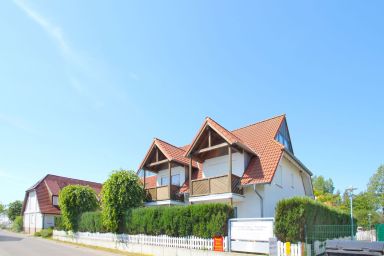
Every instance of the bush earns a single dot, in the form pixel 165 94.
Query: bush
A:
pixel 122 191
pixel 73 201
pixel 294 214
pixel 37 234
pixel 204 220
pixel 46 233
pixel 59 223
pixel 17 225
pixel 91 222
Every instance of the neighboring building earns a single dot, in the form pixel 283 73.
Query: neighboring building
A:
pixel 41 201
pixel 251 168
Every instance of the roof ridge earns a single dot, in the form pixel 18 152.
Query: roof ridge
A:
pixel 58 176
pixel 262 121
pixel 169 144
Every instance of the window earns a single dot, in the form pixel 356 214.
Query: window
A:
pixel 176 179
pixel 55 200
pixel 235 212
pixel 163 181
pixel 283 137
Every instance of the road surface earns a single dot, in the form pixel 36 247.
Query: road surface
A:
pixel 12 244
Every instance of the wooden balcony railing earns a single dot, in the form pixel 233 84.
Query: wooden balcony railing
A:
pixel 161 193
pixel 216 185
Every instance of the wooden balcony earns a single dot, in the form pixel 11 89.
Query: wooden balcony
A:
pixel 216 185
pixel 161 193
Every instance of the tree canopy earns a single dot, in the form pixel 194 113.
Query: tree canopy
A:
pixel 122 191
pixel 14 209
pixel 2 208
pixel 376 187
pixel 322 186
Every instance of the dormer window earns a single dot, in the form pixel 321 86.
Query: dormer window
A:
pixel 55 200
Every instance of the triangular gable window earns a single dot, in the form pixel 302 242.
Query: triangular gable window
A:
pixel 283 136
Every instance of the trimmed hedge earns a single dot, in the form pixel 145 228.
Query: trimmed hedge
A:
pixel 91 222
pixel 204 220
pixel 294 214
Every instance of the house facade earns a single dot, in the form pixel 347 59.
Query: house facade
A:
pixel 251 168
pixel 41 202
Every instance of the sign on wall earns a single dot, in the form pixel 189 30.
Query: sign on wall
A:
pixel 250 235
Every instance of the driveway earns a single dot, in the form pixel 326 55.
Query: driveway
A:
pixel 12 244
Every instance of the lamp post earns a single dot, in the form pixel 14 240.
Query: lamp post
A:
pixel 350 192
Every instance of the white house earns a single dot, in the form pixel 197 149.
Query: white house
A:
pixel 251 168
pixel 41 201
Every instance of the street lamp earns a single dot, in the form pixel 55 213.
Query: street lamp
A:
pixel 350 192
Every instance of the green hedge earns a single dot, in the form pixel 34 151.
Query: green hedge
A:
pixel 17 224
pixel 293 215
pixel 59 223
pixel 91 222
pixel 204 220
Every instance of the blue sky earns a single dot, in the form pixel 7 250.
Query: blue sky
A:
pixel 86 85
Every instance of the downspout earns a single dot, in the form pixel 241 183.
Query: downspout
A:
pixel 261 201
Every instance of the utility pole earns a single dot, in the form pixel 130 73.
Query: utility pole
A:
pixel 350 192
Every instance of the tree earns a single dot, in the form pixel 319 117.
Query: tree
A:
pixel 376 187
pixel 2 208
pixel 14 209
pixel 322 186
pixel 122 191
pixel 75 200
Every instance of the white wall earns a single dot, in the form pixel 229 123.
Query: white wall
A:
pixel 175 170
pixel 286 183
pixel 32 219
pixel 219 165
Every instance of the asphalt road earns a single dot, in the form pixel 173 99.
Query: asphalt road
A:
pixel 12 244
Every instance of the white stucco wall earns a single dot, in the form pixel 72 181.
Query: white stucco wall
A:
pixel 286 183
pixel 175 170
pixel 32 219
pixel 219 165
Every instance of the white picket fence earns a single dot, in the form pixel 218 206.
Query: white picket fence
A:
pixel 282 250
pixel 111 240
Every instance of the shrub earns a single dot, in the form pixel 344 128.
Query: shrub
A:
pixel 14 209
pixel 204 220
pixel 59 223
pixel 46 233
pixel 91 222
pixel 294 214
pixel 73 201
pixel 121 192
pixel 17 225
pixel 38 234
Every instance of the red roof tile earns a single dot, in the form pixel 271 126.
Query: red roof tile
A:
pixel 50 186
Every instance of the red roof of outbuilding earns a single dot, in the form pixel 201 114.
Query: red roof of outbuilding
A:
pixel 50 186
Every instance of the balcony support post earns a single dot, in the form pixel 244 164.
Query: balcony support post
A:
pixel 169 179
pixel 229 169
pixel 190 176
pixel 144 177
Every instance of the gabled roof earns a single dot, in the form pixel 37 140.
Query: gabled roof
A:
pixel 50 186
pixel 228 136
pixel 259 139
pixel 171 152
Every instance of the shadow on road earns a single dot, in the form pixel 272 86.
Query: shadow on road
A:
pixel 10 238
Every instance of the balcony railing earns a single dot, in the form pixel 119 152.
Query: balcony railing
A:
pixel 216 185
pixel 161 193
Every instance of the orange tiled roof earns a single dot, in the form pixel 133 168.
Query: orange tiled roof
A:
pixel 171 152
pixel 258 139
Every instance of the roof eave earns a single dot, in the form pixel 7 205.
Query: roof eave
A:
pixel 298 161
